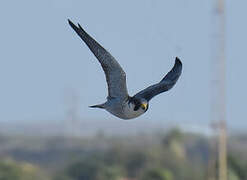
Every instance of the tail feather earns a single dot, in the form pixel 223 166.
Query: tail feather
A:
pixel 97 106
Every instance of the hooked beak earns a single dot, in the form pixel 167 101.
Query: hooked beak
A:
pixel 144 106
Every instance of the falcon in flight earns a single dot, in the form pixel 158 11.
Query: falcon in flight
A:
pixel 119 103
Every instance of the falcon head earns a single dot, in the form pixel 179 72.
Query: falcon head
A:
pixel 139 104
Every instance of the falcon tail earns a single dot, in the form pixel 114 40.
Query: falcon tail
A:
pixel 98 106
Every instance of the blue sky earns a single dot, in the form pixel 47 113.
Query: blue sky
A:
pixel 42 61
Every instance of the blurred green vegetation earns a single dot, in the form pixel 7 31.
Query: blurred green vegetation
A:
pixel 11 170
pixel 159 156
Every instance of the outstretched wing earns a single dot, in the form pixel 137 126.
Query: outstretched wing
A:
pixel 115 76
pixel 164 85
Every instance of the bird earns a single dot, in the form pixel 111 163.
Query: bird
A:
pixel 119 102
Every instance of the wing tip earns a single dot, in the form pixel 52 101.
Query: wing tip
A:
pixel 78 28
pixel 178 64
pixel 72 24
pixel 178 61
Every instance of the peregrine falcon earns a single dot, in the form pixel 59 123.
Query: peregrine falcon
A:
pixel 119 103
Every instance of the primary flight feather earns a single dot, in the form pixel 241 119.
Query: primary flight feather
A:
pixel 119 103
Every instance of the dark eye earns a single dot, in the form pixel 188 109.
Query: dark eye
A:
pixel 136 107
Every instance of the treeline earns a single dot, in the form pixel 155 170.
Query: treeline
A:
pixel 160 156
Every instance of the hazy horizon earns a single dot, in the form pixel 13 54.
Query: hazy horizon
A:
pixel 44 64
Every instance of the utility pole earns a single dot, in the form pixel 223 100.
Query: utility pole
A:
pixel 218 89
pixel 222 151
pixel 222 113
pixel 72 113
